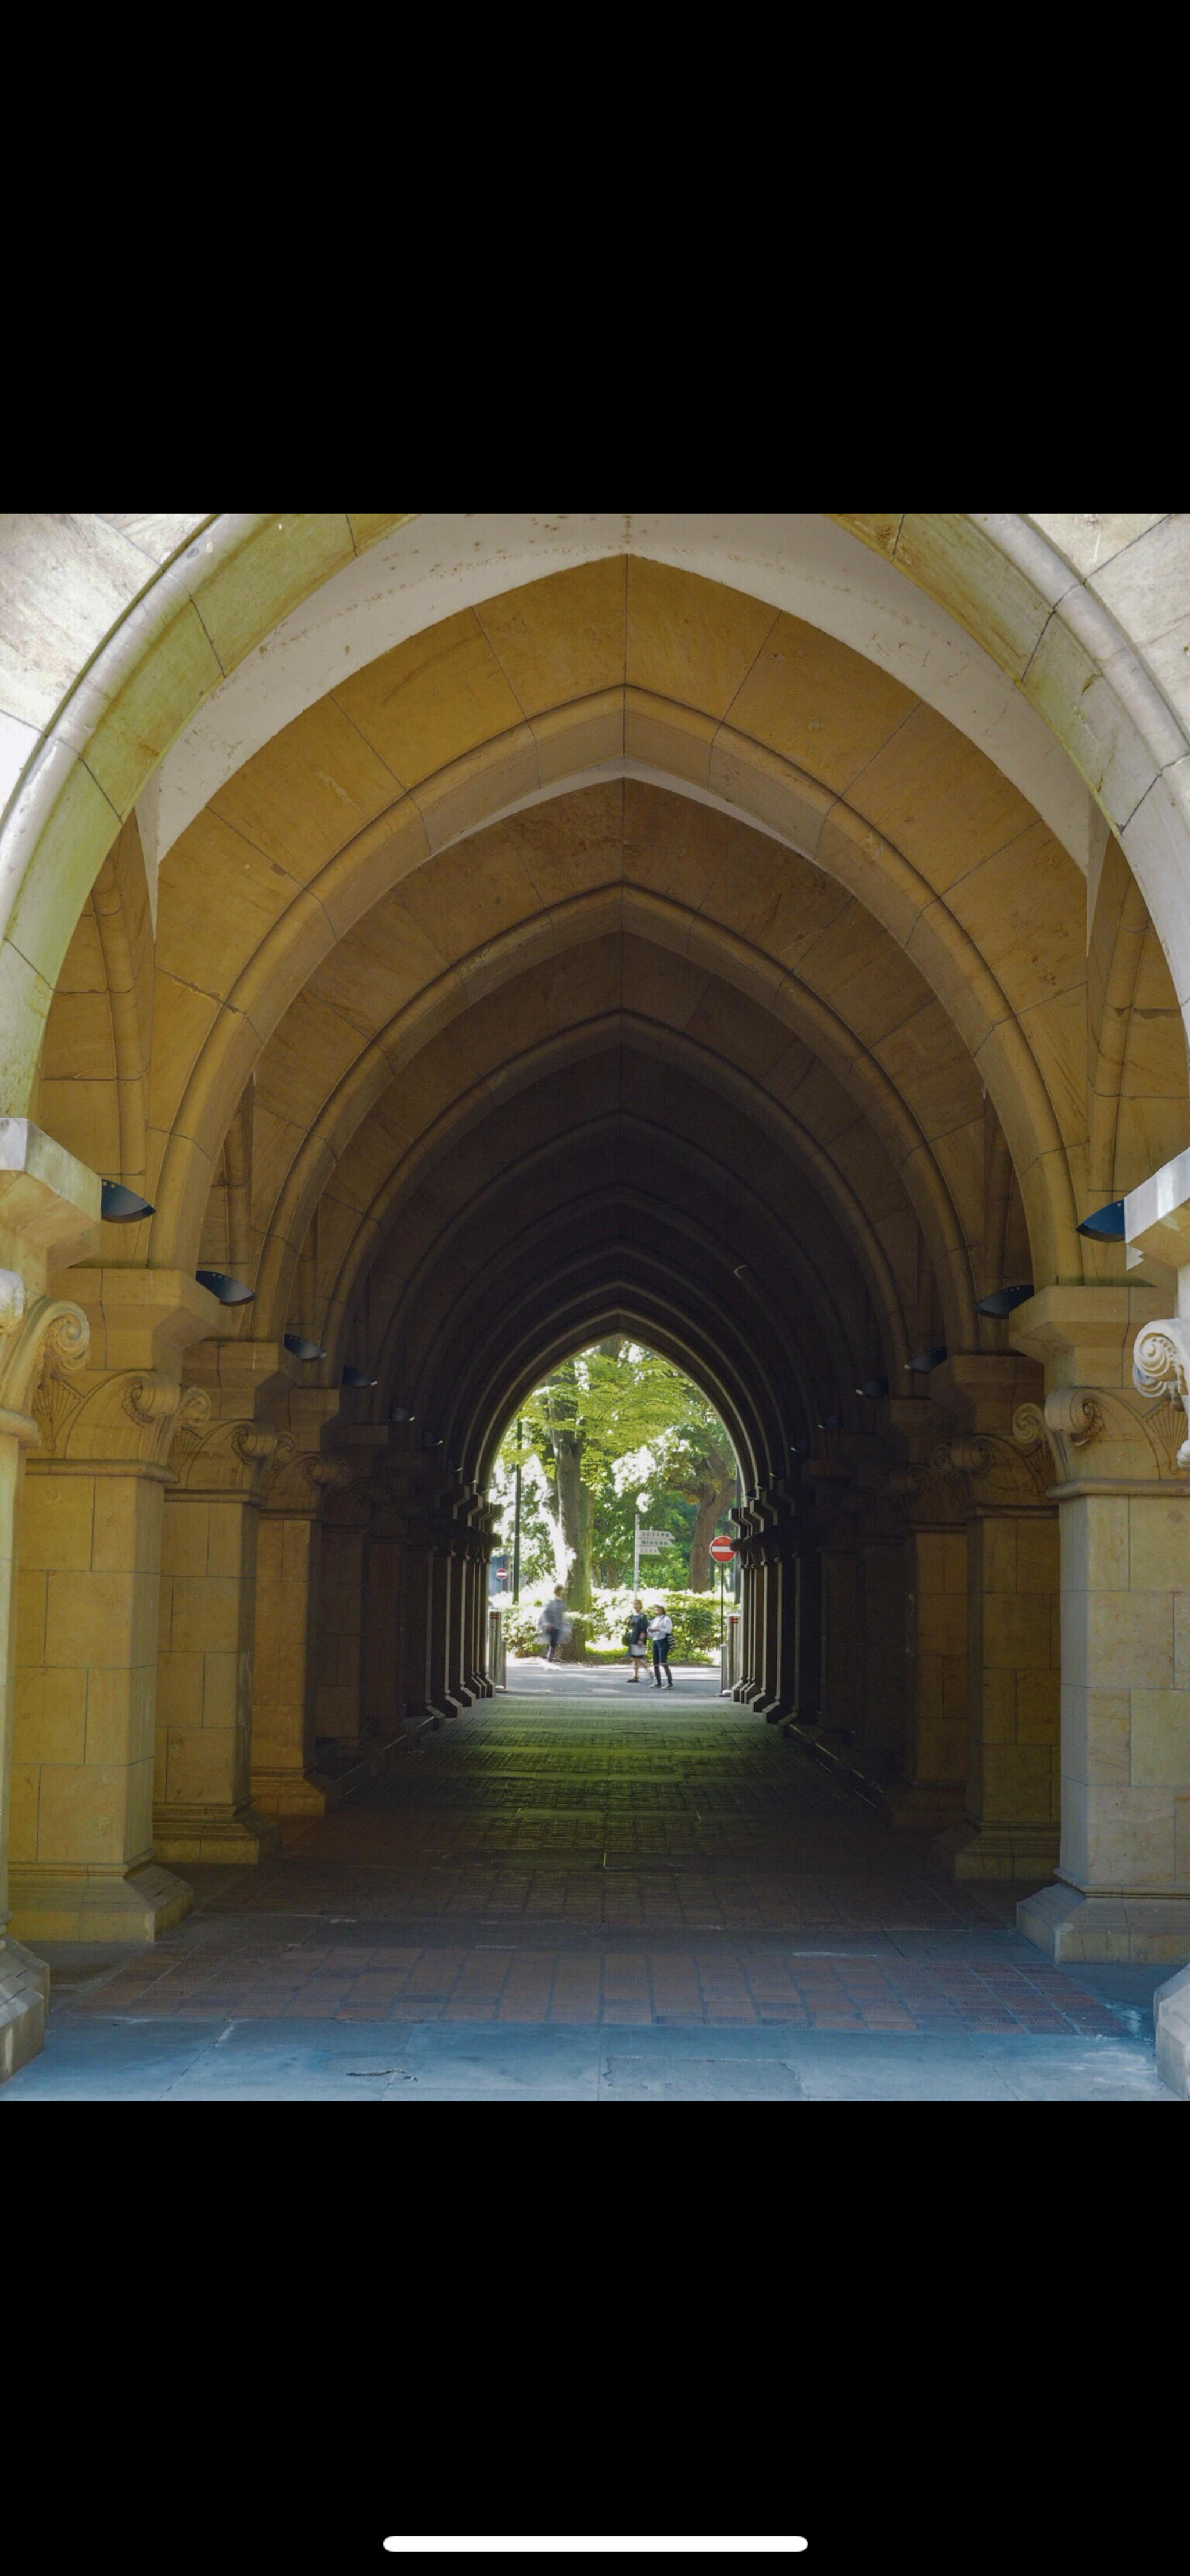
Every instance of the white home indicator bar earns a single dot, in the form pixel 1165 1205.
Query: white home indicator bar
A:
pixel 723 2547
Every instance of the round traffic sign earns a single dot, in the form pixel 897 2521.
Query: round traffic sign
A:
pixel 722 1549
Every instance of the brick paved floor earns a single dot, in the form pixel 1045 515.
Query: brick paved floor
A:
pixel 578 1856
pixel 586 1858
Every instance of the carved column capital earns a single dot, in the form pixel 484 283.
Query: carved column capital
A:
pixel 1101 1439
pixel 297 1481
pixel 225 1457
pixel 995 1472
pixel 128 1417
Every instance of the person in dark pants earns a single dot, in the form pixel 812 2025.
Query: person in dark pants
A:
pixel 661 1628
pixel 636 1638
pixel 553 1625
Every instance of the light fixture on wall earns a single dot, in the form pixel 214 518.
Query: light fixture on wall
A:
pixel 1000 1301
pixel 121 1206
pixel 300 1349
pixel 923 1361
pixel 831 1422
pixel 353 1376
pixel 1106 1223
pixel 431 1440
pixel 874 1388
pixel 230 1292
pixel 742 1271
pixel 402 1413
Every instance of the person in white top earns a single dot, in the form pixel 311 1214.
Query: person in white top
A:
pixel 661 1628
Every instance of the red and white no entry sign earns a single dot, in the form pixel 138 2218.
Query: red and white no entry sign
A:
pixel 723 1550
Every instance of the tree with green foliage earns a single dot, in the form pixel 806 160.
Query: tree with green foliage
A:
pixel 617 1413
pixel 699 1463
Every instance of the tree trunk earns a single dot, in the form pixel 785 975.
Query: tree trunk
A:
pixel 574 1512
pixel 712 1502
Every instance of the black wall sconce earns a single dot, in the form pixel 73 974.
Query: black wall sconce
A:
pixel 923 1361
pixel 230 1292
pixel 353 1376
pixel 1002 1300
pixel 300 1349
pixel 874 1388
pixel 119 1206
pixel 1107 1223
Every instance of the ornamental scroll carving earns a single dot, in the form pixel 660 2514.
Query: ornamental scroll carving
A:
pixel 46 1333
pixel 226 1457
pixel 296 1479
pixel 1161 1367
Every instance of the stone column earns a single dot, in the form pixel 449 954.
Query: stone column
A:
pixel 482 1525
pixel 1114 1425
pixel 49 1211
pixel 932 1794
pixel 1010 1824
pixel 441 1703
pixel 384 1575
pixel 774 1513
pixel 84 1865
pixel 765 1524
pixel 204 1809
pixel 808 1648
pixel 841 1684
pixel 284 1775
pixel 415 1610
pixel 460 1684
pixel 339 1691
pixel 745 1527
pixel 751 1582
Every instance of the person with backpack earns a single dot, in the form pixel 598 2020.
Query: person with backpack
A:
pixel 661 1628
pixel 636 1638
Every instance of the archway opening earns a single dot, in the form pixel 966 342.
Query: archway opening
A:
pixel 613 1478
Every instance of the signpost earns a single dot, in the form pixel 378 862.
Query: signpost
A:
pixel 723 1550
pixel 646 1542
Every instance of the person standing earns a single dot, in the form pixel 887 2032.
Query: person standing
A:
pixel 553 1624
pixel 636 1638
pixel 661 1628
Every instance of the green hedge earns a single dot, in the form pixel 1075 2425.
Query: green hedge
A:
pixel 595 1634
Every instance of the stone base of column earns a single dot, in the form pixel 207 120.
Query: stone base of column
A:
pixel 998 1851
pixel 220 1835
pixel 1171 2011
pixel 24 1994
pixel 293 1793
pixel 924 1807
pixel 1138 1929
pixel 97 1904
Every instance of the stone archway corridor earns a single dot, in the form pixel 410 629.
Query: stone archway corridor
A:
pixel 579 1893
pixel 432 943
